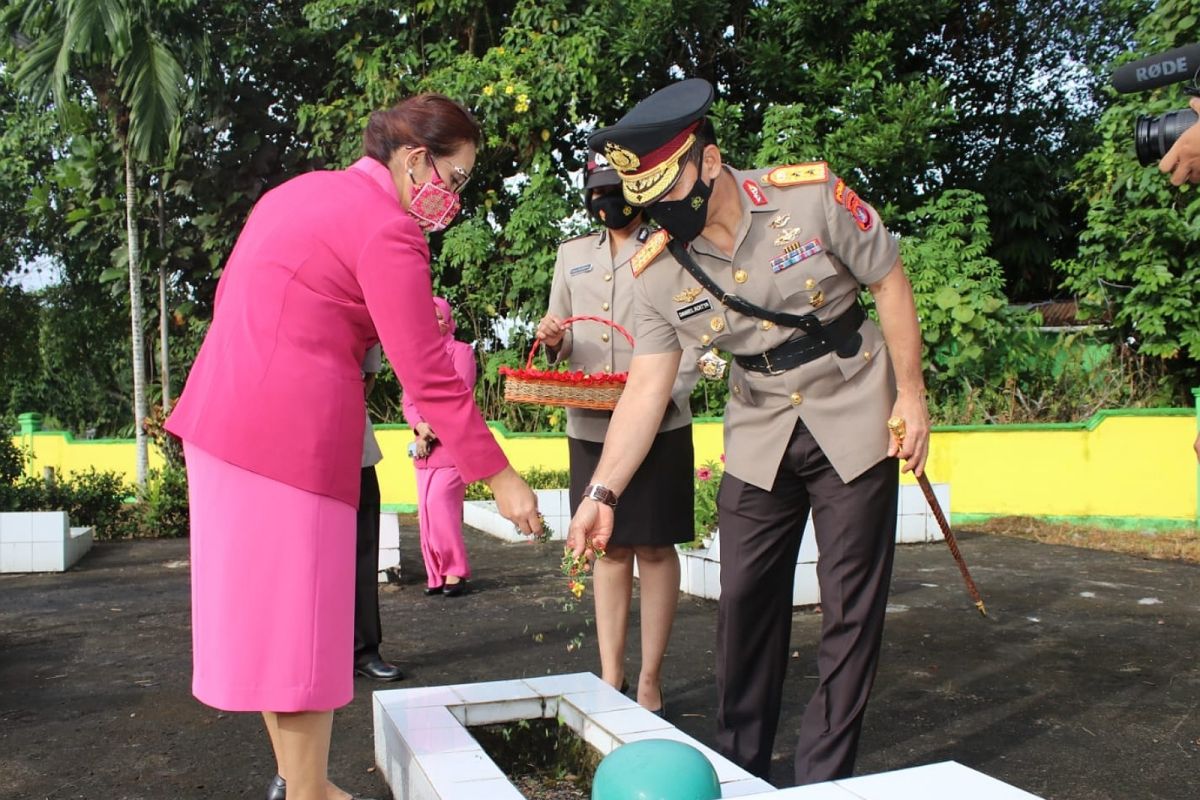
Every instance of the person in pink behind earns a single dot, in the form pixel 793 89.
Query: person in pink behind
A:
pixel 328 264
pixel 440 488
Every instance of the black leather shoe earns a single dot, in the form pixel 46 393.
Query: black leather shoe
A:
pixel 430 591
pixel 455 589
pixel 377 669
pixel 277 789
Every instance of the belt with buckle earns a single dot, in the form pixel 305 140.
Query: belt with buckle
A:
pixel 803 349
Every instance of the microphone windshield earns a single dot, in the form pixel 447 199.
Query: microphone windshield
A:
pixel 1172 66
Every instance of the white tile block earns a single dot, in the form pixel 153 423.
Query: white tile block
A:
pixel 388 557
pixel 16 526
pixel 573 682
pixel 947 780
pixel 49 526
pixel 47 556
pixel 819 791
pixel 491 713
pixel 420 697
pixel 625 721
pixel 746 787
pixel 478 790
pixel 16 556
pixel 714 547
pixel 448 768
pixel 78 545
pixel 712 579
pixel 910 528
pixel 389 531
pixel 805 590
pixel 495 690
pixel 595 702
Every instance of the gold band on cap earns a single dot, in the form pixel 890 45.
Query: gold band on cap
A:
pixel 642 188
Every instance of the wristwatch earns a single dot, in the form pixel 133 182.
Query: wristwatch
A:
pixel 601 494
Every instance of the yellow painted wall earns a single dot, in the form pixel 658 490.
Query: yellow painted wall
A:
pixel 1118 464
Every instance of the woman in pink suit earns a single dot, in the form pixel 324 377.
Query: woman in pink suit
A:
pixel 328 264
pixel 440 489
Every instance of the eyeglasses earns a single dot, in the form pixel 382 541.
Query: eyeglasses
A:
pixel 462 177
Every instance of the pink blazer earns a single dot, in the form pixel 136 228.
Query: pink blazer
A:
pixel 328 264
pixel 463 359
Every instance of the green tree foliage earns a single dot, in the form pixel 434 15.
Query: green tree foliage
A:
pixel 905 98
pixel 1139 256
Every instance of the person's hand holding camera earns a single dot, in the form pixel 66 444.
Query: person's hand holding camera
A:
pixel 1182 161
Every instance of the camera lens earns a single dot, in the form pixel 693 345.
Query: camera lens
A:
pixel 1153 136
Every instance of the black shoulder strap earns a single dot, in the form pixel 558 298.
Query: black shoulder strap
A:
pixel 807 322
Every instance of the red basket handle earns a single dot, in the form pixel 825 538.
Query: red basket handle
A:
pixel 567 323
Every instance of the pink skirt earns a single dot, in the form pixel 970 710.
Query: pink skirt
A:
pixel 272 591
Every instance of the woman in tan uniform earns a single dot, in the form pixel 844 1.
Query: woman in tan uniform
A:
pixel 592 276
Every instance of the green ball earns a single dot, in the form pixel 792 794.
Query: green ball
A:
pixel 655 769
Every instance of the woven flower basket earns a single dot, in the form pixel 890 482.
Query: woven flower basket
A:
pixel 600 390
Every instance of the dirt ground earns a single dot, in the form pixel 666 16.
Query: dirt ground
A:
pixel 1083 684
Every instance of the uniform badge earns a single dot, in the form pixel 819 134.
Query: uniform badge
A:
pixel 711 365
pixel 687 312
pixel 756 194
pixel 579 270
pixel 779 220
pixel 849 200
pixel 797 174
pixel 624 160
pixel 649 251
pixel 786 236
pixel 687 295
pixel 741 276
pixel 794 255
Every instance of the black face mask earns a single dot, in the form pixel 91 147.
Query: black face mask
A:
pixel 617 211
pixel 684 219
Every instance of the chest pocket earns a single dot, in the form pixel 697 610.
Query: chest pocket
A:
pixel 872 350
pixel 807 275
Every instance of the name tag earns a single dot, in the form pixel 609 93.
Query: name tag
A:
pixel 582 268
pixel 695 308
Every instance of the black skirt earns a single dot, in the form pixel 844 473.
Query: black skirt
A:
pixel 657 507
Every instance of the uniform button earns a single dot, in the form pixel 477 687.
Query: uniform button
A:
pixel 741 276
pixel 604 306
pixel 604 337
pixel 608 276
pixel 705 339
pixel 767 324
pixel 810 283
pixel 737 390
pixel 717 324
pixel 797 398
pixel 818 299
pixel 867 355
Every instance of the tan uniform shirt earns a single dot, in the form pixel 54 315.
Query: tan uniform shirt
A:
pixel 372 362
pixel 589 281
pixel 844 402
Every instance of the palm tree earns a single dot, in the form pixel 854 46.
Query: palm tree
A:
pixel 112 53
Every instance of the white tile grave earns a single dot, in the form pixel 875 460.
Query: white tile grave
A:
pixel 40 541
pixel 425 752
pixel 700 569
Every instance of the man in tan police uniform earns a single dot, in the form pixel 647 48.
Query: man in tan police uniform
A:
pixel 767 265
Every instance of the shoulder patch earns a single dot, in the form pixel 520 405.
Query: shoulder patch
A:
pixel 649 251
pixel 797 174
pixel 754 192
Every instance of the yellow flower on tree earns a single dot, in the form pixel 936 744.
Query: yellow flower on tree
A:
pixel 509 89
pixel 488 90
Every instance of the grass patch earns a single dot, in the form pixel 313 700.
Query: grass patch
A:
pixel 545 758
pixel 1181 544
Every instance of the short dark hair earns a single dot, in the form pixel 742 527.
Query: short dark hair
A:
pixel 430 120
pixel 706 134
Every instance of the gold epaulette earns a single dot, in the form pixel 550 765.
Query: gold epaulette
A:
pixel 649 251
pixel 796 174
